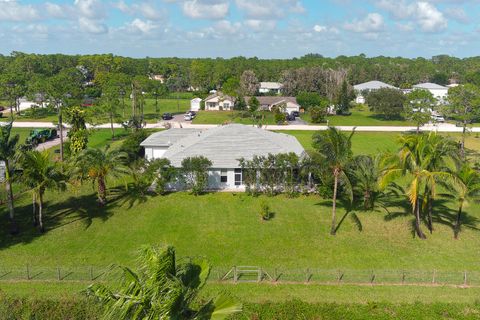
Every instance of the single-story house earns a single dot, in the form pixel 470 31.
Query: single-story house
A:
pixel 157 77
pixel 268 102
pixel 439 92
pixel 219 101
pixel 195 104
pixel 270 87
pixel 367 87
pixel 223 146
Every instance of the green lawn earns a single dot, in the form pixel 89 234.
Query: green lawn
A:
pixel 359 118
pixel 221 117
pixel 124 111
pixel 226 229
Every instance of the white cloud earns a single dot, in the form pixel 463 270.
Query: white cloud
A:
pixel 424 14
pixel 90 8
pixel 91 25
pixel 142 26
pixel 206 9
pixel 260 25
pixel 269 9
pixel 457 14
pixel 147 9
pixel 372 23
pixel 319 28
pixel 11 10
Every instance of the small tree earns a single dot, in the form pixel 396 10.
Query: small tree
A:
pixel 308 100
pixel 386 102
pixel 195 173
pixel 240 104
pixel 464 105
pixel 249 84
pixel 343 99
pixel 317 114
pixel 418 107
pixel 131 145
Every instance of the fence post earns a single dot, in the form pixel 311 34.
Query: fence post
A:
pixel 275 275
pixel 28 272
pixel 403 277
pixel 235 275
pixel 91 273
pixel 307 275
pixel 465 278
pixel 433 277
pixel 58 274
pixel 259 278
pixel 372 279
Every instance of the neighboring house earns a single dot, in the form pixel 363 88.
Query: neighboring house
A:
pixel 439 92
pixel 270 87
pixel 157 77
pixel 223 146
pixel 195 104
pixel 267 103
pixel 219 101
pixel 367 87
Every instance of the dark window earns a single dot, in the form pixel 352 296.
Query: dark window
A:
pixel 238 177
pixel 223 176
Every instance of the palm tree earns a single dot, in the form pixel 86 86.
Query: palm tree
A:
pixel 465 188
pixel 40 173
pixel 365 171
pixel 8 149
pixel 161 289
pixel 97 165
pixel 414 161
pixel 336 149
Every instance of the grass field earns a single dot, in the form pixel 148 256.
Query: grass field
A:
pixel 164 105
pixel 226 229
pixel 359 117
pixel 221 117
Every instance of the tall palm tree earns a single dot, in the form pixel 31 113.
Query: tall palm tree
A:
pixel 465 188
pixel 8 149
pixel 97 165
pixel 336 149
pixel 41 174
pixel 162 289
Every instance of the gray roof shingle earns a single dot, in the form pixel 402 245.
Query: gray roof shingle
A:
pixel 225 145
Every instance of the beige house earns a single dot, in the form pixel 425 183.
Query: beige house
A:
pixel 288 104
pixel 219 101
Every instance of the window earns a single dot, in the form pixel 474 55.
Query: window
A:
pixel 238 177
pixel 223 176
pixel 226 105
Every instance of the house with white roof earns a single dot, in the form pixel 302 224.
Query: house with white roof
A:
pixel 361 88
pixel 270 87
pixel 223 146
pixel 219 101
pixel 439 92
pixel 195 104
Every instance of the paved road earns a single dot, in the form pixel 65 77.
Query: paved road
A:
pixel 444 127
pixel 51 143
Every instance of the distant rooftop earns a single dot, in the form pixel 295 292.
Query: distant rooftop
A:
pixel 429 86
pixel 271 85
pixel 372 85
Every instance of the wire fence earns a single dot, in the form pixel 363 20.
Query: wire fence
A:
pixel 239 274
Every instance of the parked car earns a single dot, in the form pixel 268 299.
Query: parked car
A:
pixel 289 117
pixel 295 114
pixel 167 116
pixel 438 118
pixel 188 117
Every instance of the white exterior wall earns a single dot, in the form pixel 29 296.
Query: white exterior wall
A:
pixel 292 107
pixel 195 104
pixel 215 184
pixel 154 152
pixel 360 99
pixel 440 94
pixel 226 104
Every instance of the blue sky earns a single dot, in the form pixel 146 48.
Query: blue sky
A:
pixel 226 28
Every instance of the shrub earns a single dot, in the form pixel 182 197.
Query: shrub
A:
pixel 195 173
pixel 280 118
pixel 131 145
pixel 318 114
pixel 265 212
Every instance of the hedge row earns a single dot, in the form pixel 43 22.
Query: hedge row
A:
pixel 72 309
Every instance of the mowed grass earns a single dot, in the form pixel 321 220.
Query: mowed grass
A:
pixel 227 230
pixel 175 106
pixel 221 117
pixel 359 117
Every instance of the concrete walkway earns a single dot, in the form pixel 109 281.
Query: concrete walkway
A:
pixel 442 127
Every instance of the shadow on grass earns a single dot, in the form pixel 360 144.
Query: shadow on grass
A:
pixel 81 208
